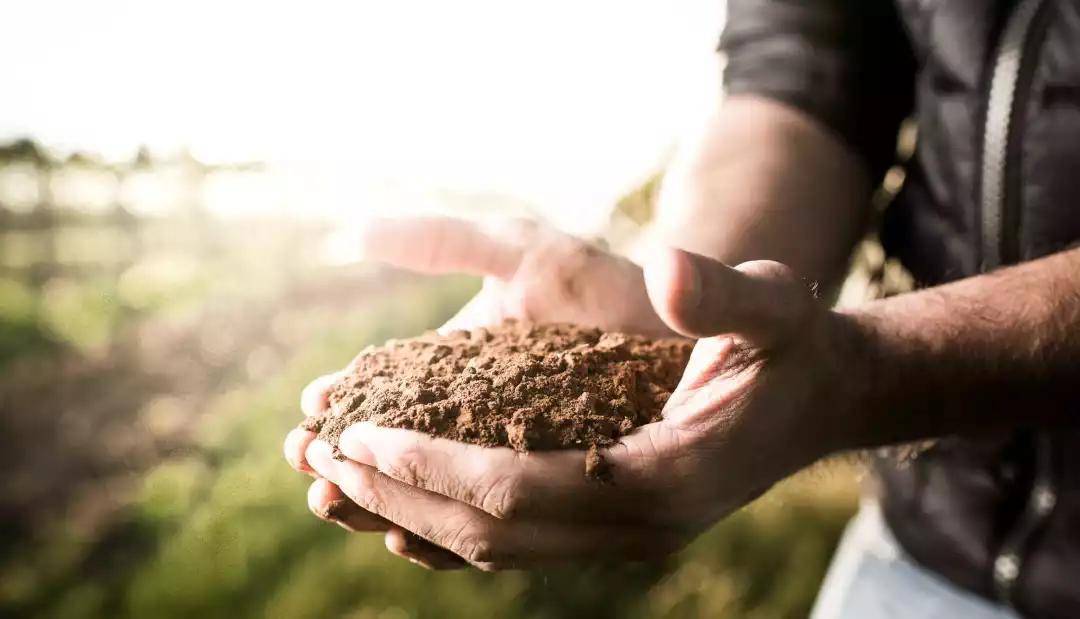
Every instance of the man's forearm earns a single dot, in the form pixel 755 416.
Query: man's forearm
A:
pixel 765 181
pixel 995 351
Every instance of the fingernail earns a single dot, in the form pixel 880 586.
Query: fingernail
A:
pixel 353 444
pixel 337 510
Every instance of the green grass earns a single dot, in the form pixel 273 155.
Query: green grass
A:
pixel 21 332
pixel 225 532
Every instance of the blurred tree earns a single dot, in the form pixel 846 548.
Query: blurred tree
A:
pixel 25 149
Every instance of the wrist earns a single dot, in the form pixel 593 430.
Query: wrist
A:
pixel 856 381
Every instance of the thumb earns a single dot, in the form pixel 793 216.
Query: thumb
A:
pixel 699 297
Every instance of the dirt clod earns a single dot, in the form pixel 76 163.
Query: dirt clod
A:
pixel 519 385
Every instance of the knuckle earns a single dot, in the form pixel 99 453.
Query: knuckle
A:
pixel 361 489
pixel 502 497
pixel 373 503
pixel 575 254
pixel 410 467
pixel 370 501
pixel 472 543
pixel 479 550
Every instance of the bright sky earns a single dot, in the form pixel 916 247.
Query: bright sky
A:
pixel 562 103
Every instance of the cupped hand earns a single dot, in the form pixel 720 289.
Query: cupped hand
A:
pixel 530 271
pixel 756 403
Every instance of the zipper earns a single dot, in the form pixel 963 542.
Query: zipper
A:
pixel 1000 202
pixel 1008 93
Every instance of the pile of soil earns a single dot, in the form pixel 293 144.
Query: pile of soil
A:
pixel 519 385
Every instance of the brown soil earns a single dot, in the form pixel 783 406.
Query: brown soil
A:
pixel 519 385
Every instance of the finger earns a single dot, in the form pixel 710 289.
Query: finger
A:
pixel 439 245
pixel 507 484
pixel 326 501
pixel 420 551
pixel 314 398
pixel 700 297
pixel 479 538
pixel 296 442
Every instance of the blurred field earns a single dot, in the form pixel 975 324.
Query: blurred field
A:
pixel 146 382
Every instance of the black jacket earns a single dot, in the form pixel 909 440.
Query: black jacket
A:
pixel 994 88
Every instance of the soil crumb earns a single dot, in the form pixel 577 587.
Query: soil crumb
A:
pixel 519 385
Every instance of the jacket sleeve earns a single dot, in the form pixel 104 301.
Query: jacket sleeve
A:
pixel 848 63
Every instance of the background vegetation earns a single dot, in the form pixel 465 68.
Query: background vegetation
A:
pixel 150 363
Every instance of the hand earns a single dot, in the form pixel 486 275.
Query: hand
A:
pixel 757 402
pixel 326 500
pixel 530 272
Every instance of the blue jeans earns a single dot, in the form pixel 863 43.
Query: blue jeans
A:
pixel 872 578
